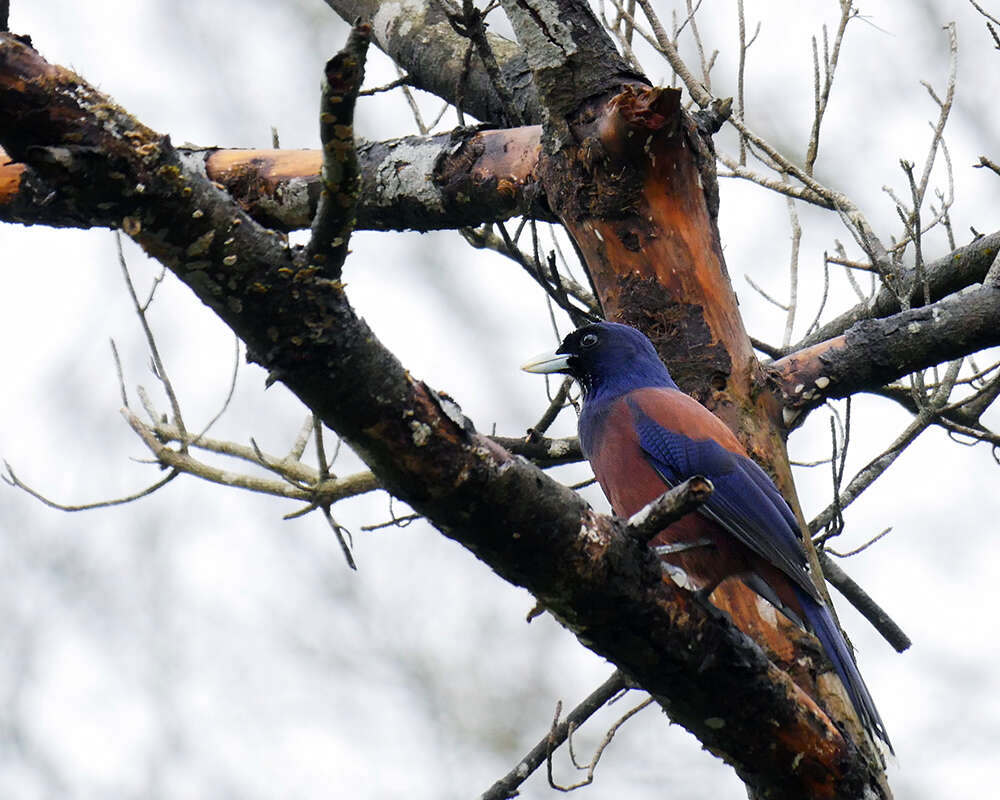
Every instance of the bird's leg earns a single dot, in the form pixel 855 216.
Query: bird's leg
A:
pixel 677 574
pixel 679 547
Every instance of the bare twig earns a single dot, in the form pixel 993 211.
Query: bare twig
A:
pixel 229 394
pixel 158 368
pixel 536 431
pixel 297 481
pixel 302 440
pixel 506 245
pixel 506 787
pixel 740 73
pixel 12 479
pixel 822 87
pixel 591 766
pixel 985 162
pixel 793 273
pixel 344 538
pixel 405 80
pixel 871 471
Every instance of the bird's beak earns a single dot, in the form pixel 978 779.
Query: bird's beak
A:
pixel 547 362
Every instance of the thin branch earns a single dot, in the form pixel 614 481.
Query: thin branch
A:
pixel 158 368
pixel 862 547
pixel 506 787
pixel 12 479
pixel 536 431
pixel 669 507
pixel 301 440
pixel 229 394
pixel 822 89
pixel 866 476
pixel 591 766
pixel 983 11
pixel 985 162
pixel 764 294
pixel 793 273
pixel 341 174
pixel 863 602
pixel 471 25
pixel 344 538
pixel 297 482
pixel 120 373
pixel 406 80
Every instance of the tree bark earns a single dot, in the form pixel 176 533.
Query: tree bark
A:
pixel 465 177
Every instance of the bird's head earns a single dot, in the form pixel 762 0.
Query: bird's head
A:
pixel 607 359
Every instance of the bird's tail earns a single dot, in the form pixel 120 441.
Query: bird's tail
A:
pixel 821 622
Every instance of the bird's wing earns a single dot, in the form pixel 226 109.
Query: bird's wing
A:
pixel 681 438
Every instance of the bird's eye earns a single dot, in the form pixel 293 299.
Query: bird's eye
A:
pixel 588 340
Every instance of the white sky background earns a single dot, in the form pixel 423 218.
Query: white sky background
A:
pixel 195 645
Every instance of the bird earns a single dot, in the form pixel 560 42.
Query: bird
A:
pixel 642 435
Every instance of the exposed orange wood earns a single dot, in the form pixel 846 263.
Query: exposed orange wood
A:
pixel 10 178
pixel 268 166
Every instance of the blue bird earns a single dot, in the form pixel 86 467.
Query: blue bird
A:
pixel 643 435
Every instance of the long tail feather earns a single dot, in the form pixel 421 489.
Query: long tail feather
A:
pixel 820 621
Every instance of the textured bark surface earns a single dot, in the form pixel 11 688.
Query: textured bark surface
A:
pixel 449 180
pixel 876 351
pixel 416 34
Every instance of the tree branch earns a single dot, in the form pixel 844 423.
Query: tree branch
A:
pixel 669 507
pixel 419 38
pixel 944 276
pixel 862 601
pixel 506 787
pixel 463 178
pixel 340 176
pixel 876 351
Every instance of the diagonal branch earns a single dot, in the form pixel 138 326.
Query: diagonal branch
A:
pixel 876 351
pixel 943 276
pixel 506 787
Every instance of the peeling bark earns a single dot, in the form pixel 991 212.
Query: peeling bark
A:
pixel 873 352
pixel 467 177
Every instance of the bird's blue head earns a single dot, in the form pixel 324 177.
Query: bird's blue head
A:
pixel 608 359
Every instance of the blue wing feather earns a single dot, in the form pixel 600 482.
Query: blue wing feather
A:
pixel 745 501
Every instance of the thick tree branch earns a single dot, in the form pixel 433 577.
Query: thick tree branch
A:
pixel 450 180
pixel 876 351
pixel 944 276
pixel 582 566
pixel 417 35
